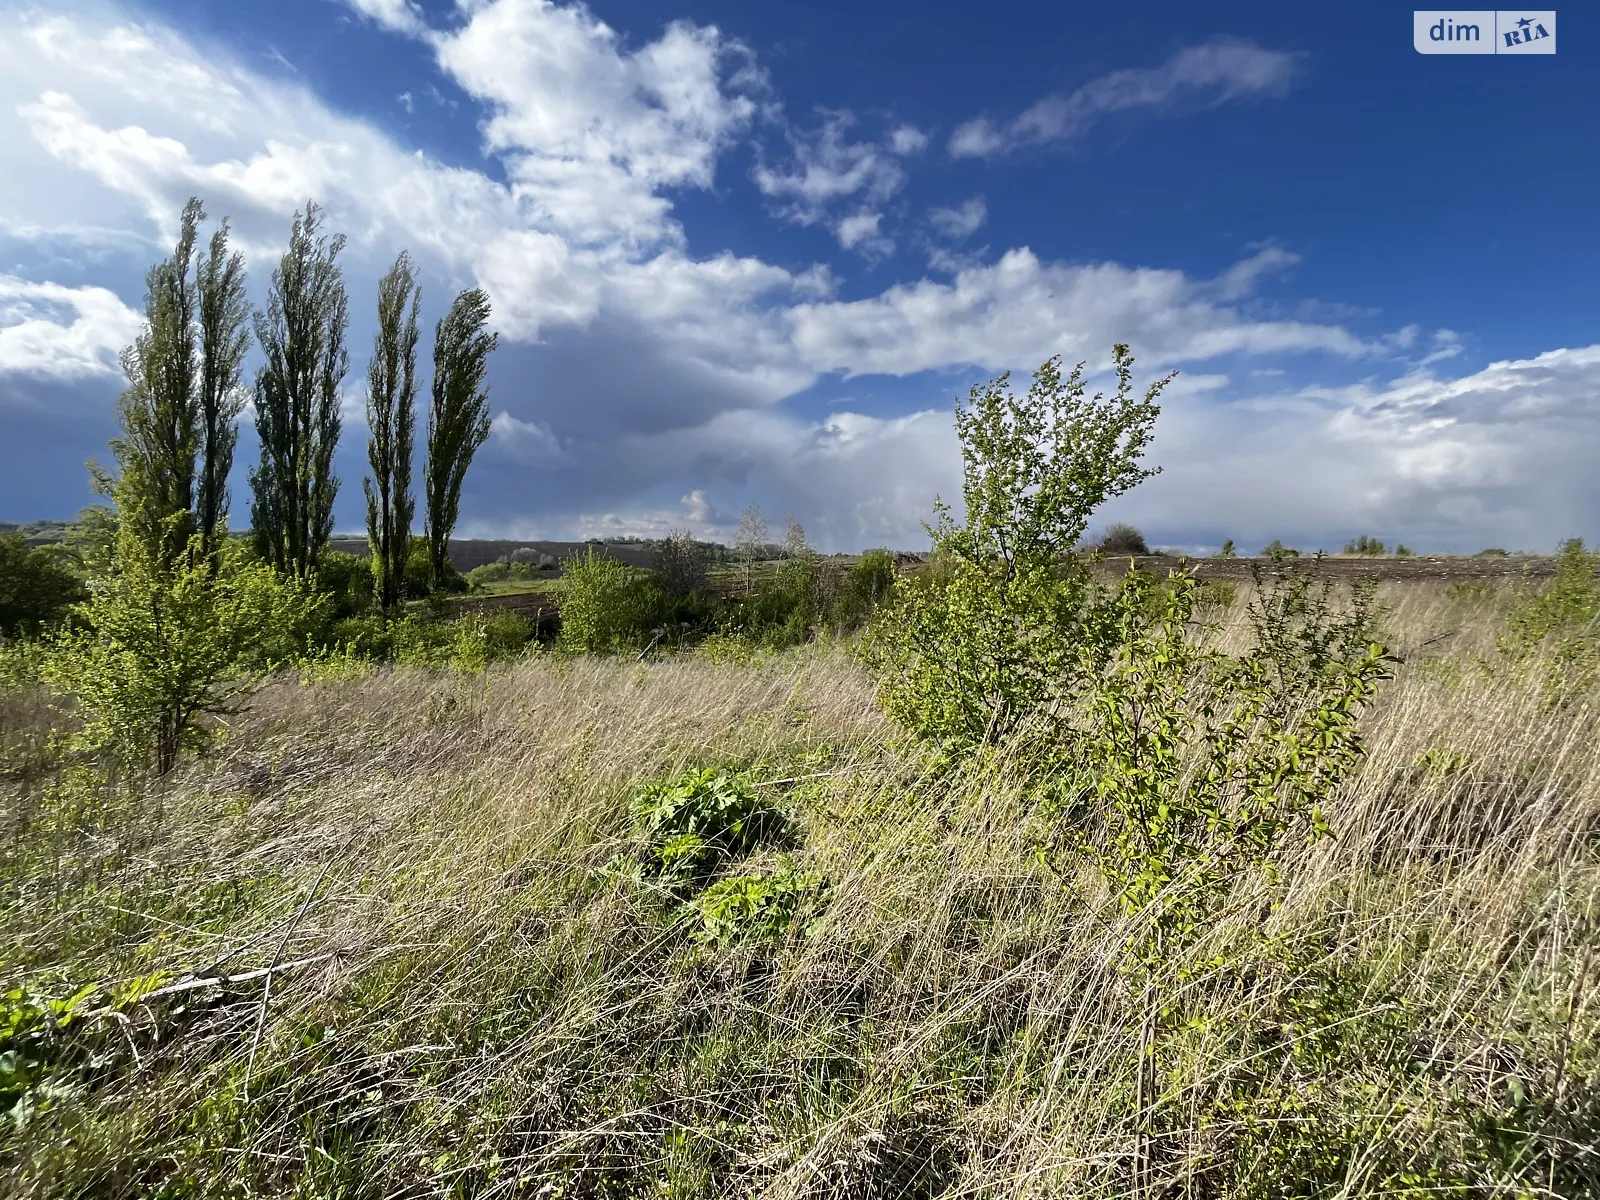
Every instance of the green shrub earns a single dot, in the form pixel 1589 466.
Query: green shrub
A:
pixel 1559 623
pixel 495 572
pixel 1005 617
pixel 606 606
pixel 692 823
pixel 419 572
pixel 346 579
pixel 36 588
pixel 865 587
pixel 1216 594
pixel 163 647
pixel 1122 538
pixel 1227 550
pixel 1176 767
pixel 1276 549
pixel 1364 545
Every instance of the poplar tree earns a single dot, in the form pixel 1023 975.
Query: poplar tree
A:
pixel 302 334
pixel 158 413
pixel 224 315
pixel 458 418
pixel 391 397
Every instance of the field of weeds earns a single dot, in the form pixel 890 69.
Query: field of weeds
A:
pixel 423 933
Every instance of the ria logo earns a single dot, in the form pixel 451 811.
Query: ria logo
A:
pixel 1472 31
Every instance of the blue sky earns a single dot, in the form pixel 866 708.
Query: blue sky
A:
pixel 751 253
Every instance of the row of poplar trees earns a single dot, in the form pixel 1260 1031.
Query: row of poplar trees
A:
pixel 179 414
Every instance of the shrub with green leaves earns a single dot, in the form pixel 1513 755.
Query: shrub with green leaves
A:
pixel 605 605
pixel 36 587
pixel 970 649
pixel 346 579
pixel 692 823
pixel 1559 623
pixel 165 646
pixel 1365 545
pixel 1179 766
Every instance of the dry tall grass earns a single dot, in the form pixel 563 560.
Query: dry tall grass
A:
pixel 473 998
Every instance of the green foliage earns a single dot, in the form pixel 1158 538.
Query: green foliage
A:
pixel 38 1064
pixel 695 822
pixel 1006 619
pixel 467 643
pixel 458 419
pixel 605 606
pixel 346 579
pixel 1215 595
pixel 302 335
pixel 1365 545
pixel 765 908
pixel 1122 538
pixel 165 646
pixel 1492 552
pixel 1178 767
pixel 36 588
pixel 1227 550
pixel 1403 551
pixel 867 586
pixel 1560 623
pixel 391 417
pixel 505 572
pixel 1275 550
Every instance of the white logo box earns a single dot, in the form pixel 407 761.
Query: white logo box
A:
pixel 1484 31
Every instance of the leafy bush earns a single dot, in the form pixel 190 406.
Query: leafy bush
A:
pixel 1276 549
pixel 693 823
pixel 1492 552
pixel 606 606
pixel 1176 767
pixel 1559 623
pixel 36 588
pixel 1365 545
pixel 419 573
pixel 765 908
pixel 1122 538
pixel 1005 618
pixel 1227 550
pixel 165 646
pixel 347 581
pixel 866 586
pixel 681 566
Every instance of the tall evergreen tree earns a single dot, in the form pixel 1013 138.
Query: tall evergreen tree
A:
pixel 302 335
pixel 391 417
pixel 159 411
pixel 223 314
pixel 458 419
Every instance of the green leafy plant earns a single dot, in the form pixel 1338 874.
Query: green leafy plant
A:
pixel 765 908
pixel 1180 766
pixel 692 823
pixel 163 647
pixel 36 588
pixel 605 605
pixel 971 648
pixel 1365 545
pixel 1227 550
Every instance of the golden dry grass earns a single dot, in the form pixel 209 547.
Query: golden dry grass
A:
pixel 490 1005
